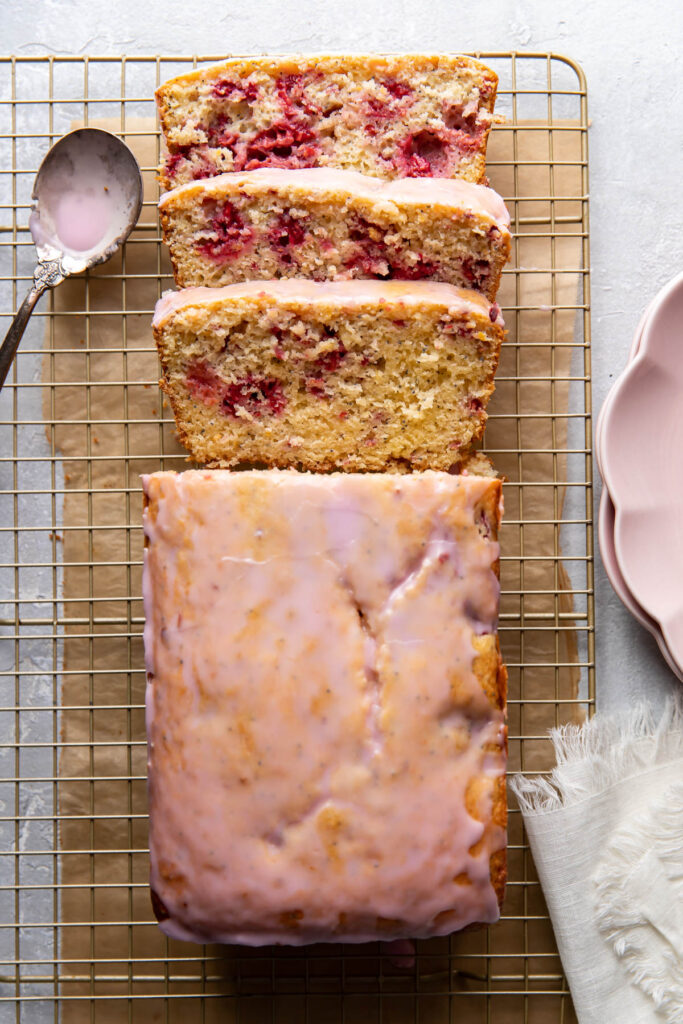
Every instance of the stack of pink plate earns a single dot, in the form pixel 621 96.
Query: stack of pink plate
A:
pixel 639 448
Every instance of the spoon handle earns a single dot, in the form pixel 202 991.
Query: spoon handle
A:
pixel 46 275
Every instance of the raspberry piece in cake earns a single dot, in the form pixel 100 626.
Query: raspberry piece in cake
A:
pixel 329 224
pixel 227 234
pixel 356 375
pixel 325 705
pixel 362 113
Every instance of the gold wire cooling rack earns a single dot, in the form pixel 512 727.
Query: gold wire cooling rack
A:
pixel 80 418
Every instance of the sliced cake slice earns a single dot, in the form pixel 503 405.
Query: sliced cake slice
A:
pixel 326 224
pixel 408 115
pixel 354 375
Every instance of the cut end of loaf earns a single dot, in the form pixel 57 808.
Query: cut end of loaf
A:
pixel 341 377
pixel 390 117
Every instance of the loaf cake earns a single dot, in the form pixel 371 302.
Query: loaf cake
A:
pixel 325 705
pixel 325 224
pixel 387 116
pixel 354 375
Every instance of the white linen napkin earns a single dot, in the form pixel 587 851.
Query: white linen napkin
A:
pixel 606 833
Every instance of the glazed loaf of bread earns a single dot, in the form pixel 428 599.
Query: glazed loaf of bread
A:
pixel 354 375
pixel 327 224
pixel 387 116
pixel 325 705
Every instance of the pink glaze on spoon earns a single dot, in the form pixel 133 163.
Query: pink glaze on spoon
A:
pixel 81 220
pixel 87 197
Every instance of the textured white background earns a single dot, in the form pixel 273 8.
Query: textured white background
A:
pixel 630 52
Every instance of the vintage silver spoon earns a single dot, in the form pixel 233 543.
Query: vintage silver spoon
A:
pixel 87 198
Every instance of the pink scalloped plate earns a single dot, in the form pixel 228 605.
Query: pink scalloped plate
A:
pixel 609 560
pixel 606 527
pixel 633 352
pixel 641 443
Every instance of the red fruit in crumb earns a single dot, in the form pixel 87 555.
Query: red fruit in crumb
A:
pixel 173 163
pixel 220 132
pixel 316 387
pixel 230 231
pixel 204 383
pixel 286 231
pixel 223 88
pixel 328 362
pixel 378 110
pixel 175 159
pixel 476 272
pixel 325 364
pixel 373 259
pixel 417 271
pixel 423 155
pixel 494 312
pixel 475 404
pixel 255 395
pixel 397 89
pixel 203 170
pixel 430 153
pixel 290 92
pixel 284 144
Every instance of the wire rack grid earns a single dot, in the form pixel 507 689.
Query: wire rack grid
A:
pixel 80 418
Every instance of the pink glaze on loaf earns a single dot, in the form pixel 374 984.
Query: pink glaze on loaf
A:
pixel 342 293
pixel 440 192
pixel 323 756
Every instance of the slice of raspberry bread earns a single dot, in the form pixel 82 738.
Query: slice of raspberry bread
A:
pixel 326 224
pixel 354 375
pixel 388 116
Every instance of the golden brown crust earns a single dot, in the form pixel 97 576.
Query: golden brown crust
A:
pixel 277 64
pixel 492 674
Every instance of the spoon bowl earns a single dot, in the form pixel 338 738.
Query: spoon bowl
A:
pixel 87 198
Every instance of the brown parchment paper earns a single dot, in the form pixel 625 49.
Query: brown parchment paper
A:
pixel 108 423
